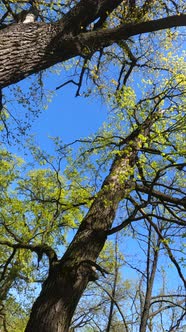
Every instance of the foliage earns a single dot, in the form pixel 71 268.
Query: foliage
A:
pixel 45 200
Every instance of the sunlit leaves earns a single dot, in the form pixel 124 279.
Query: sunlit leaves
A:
pixel 42 203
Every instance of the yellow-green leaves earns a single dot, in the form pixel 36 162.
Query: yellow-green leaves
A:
pixel 126 98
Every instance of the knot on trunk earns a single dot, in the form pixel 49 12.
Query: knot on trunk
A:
pixel 88 268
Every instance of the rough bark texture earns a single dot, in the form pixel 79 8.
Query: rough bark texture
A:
pixel 54 308
pixel 68 279
pixel 30 48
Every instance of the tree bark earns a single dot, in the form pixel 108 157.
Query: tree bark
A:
pixel 54 308
pixel 150 282
pixel 112 300
pixel 29 48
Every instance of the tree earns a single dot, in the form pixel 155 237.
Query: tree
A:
pixel 139 157
pixel 34 47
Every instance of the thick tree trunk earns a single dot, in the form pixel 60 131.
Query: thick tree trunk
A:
pixel 67 279
pixel 54 308
pixel 30 48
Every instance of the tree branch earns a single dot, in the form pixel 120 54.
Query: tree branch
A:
pixel 162 196
pixel 106 37
pixel 36 46
pixel 40 249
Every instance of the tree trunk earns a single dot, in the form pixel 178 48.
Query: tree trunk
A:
pixel 29 48
pixel 68 278
pixel 150 283
pixel 112 302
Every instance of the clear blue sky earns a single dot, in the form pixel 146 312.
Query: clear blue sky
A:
pixel 69 117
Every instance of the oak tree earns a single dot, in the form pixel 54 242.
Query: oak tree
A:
pixel 140 149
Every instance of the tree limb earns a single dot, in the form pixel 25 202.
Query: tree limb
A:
pixel 40 249
pixel 37 46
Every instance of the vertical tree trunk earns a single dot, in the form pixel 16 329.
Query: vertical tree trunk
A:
pixel 150 283
pixel 114 286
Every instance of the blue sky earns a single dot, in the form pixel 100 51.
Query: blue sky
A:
pixel 69 117
pixel 66 116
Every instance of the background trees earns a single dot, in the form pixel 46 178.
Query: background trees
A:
pixel 127 177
